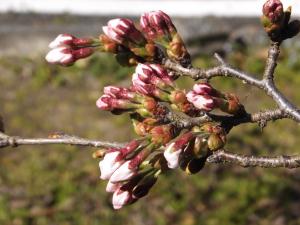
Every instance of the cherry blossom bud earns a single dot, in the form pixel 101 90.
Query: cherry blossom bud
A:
pixel 157 24
pixel 110 163
pixel 215 142
pixel 173 151
pixel 121 198
pixel 109 103
pixel 206 89
pixel 66 56
pixel 202 102
pixel 162 134
pixel 123 173
pixel 273 10
pixel 60 55
pixel 124 32
pixel 70 40
pixel 120 92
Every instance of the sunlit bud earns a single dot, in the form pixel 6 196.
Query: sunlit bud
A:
pixel 273 10
pixel 124 172
pixel 162 134
pixel 200 148
pixel 143 187
pixel 124 32
pixel 111 161
pixel 215 142
pixel 173 151
pixel 202 102
pixel 112 187
pixel 231 105
pixel 154 74
pixel 157 24
pixel 66 56
pixel 178 96
pixel 120 92
pixel 205 88
pixel 121 198
pixel 109 103
pixel 70 40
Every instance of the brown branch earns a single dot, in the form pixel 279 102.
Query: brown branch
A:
pixel 267 83
pixel 223 156
pixel 55 139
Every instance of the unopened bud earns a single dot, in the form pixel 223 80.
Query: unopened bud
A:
pixel 215 142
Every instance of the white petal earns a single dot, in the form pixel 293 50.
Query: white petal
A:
pixel 172 156
pixel 59 40
pixel 112 187
pixel 120 198
pixel 123 173
pixel 109 165
pixel 57 55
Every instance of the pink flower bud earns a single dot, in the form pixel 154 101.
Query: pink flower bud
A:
pixel 62 40
pixel 71 41
pixel 173 151
pixel 157 24
pixel 122 31
pixel 119 92
pixel 121 198
pixel 109 103
pixel 204 89
pixel 124 172
pixel 140 86
pixel 273 10
pixel 66 56
pixel 203 102
pixel 60 55
pixel 110 163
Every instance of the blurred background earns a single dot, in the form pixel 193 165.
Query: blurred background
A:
pixel 59 185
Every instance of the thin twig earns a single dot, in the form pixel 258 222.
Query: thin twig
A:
pixel 223 156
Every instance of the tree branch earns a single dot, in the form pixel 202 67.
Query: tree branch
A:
pixel 7 141
pixel 267 83
pixel 223 156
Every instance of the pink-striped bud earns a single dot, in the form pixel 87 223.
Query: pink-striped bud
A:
pixel 140 86
pixel 273 10
pixel 70 40
pixel 123 31
pixel 157 24
pixel 119 92
pixel 154 74
pixel 121 198
pixel 205 89
pixel 66 56
pixel 109 103
pixel 202 102
pixel 173 151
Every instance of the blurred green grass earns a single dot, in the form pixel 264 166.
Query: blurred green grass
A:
pixel 41 185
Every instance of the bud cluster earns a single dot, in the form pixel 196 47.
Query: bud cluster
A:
pixel 163 145
pixel 276 21
pixel 206 98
